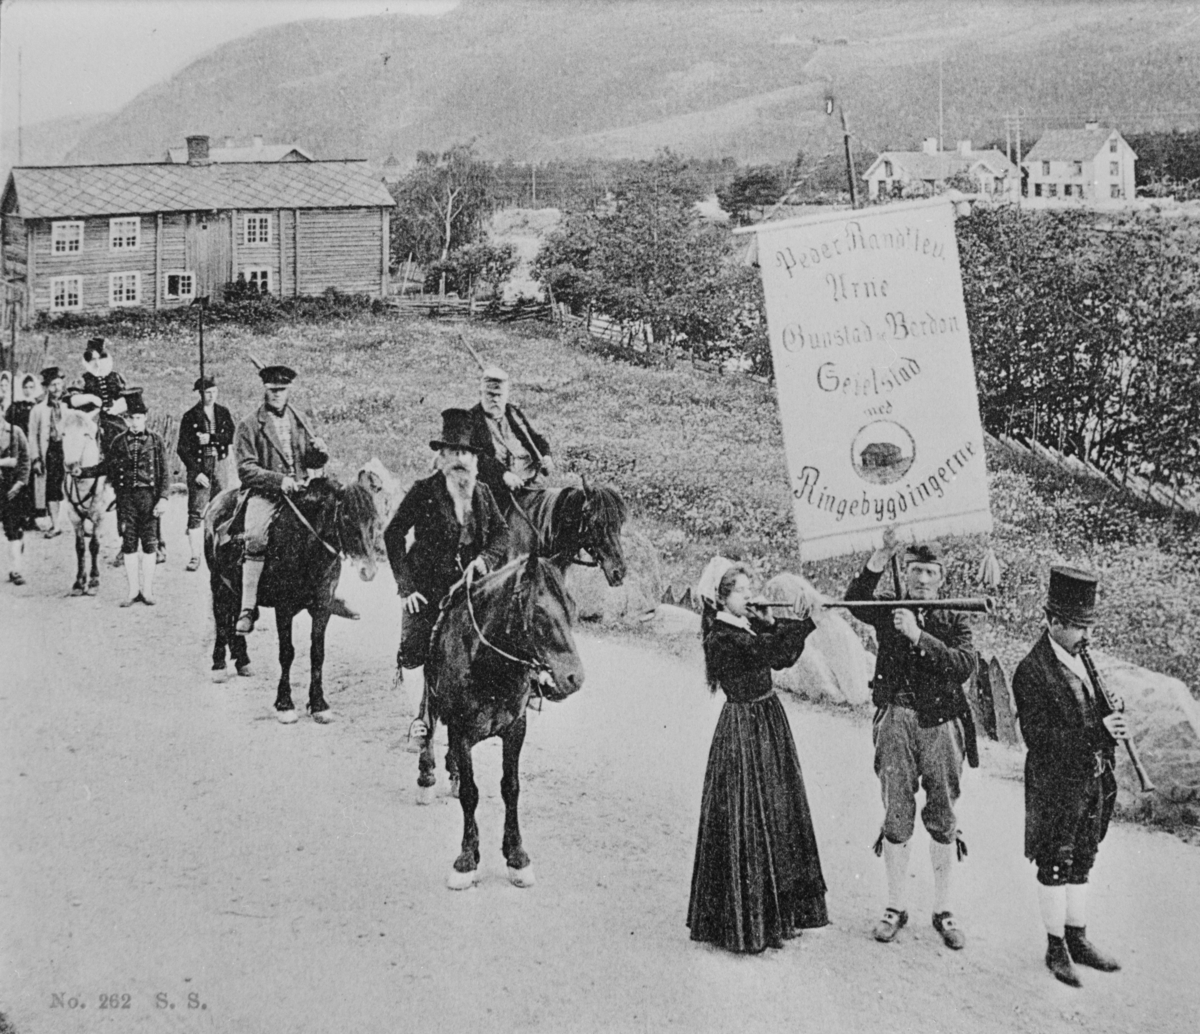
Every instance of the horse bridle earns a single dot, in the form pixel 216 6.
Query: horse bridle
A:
pixel 536 667
pixel 341 550
pixel 81 504
pixel 579 531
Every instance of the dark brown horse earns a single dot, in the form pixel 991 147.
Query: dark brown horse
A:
pixel 312 532
pixel 499 640
pixel 562 523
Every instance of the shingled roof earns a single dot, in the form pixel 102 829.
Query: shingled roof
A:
pixel 1069 145
pixel 944 164
pixel 76 191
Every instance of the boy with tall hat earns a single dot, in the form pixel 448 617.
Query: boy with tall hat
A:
pixel 1071 734
pixel 275 449
pixel 512 455
pixel 135 463
pixel 456 525
pixel 205 437
pixel 922 729
pixel 46 448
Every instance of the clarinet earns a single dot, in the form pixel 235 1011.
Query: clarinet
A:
pixel 1094 675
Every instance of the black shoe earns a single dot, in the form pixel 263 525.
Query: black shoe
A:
pixel 887 927
pixel 1058 961
pixel 1085 953
pixel 952 936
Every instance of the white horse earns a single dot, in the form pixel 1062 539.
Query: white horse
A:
pixel 85 497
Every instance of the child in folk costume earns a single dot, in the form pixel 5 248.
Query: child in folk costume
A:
pixel 1070 790
pixel 136 465
pixel 757 878
pixel 46 448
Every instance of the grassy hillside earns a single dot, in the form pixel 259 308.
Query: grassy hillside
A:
pixel 699 458
pixel 537 80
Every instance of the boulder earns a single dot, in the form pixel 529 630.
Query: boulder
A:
pixel 628 603
pixel 1165 720
pixel 834 665
pixel 672 620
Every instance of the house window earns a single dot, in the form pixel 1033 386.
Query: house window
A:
pixel 1077 169
pixel 66 238
pixel 887 169
pixel 124 234
pixel 1066 190
pixel 1114 190
pixel 66 293
pixel 1112 146
pixel 897 188
pixel 258 229
pixel 1114 168
pixel 259 280
pixel 178 286
pixel 1052 189
pixel 1037 190
pixel 124 289
pixel 1045 168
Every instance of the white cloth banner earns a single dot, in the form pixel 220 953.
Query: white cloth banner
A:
pixel 874 374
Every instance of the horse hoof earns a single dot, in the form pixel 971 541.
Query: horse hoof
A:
pixel 323 717
pixel 461 880
pixel 78 590
pixel 521 877
pixel 244 670
pixel 287 717
pixel 219 674
pixel 425 795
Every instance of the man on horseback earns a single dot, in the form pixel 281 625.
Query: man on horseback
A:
pixel 513 457
pixel 274 450
pixel 456 526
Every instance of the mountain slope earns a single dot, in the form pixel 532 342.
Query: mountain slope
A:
pixel 538 80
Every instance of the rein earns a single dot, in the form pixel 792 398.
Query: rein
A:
pixel 313 531
pixel 535 665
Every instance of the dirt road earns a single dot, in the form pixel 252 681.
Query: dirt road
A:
pixel 167 844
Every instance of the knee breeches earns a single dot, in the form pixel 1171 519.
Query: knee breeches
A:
pixel 909 758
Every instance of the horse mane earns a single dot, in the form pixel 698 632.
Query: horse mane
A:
pixel 358 506
pixel 605 503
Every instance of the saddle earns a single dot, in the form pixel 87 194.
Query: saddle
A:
pixel 227 514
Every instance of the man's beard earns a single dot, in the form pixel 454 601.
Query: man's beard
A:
pixel 461 483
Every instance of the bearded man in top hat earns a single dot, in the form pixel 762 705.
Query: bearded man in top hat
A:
pixel 1071 734
pixel 456 526
pixel 135 463
pixel 46 448
pixel 922 729
pixel 205 437
pixel 513 457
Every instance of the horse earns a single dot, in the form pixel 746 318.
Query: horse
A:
pixel 561 523
pixel 86 503
pixel 498 640
pixel 308 538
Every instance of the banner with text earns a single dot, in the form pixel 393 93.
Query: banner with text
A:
pixel 873 368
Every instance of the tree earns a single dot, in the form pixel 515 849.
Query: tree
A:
pixel 466 269
pixel 751 192
pixel 441 204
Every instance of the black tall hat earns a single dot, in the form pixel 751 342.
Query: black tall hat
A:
pixel 134 402
pixel 1072 595
pixel 49 374
pixel 456 431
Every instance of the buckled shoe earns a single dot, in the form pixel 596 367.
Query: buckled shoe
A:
pixel 945 924
pixel 887 927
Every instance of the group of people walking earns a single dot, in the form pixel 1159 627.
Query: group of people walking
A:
pixel 757 877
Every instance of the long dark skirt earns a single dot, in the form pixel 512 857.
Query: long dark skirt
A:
pixel 757 876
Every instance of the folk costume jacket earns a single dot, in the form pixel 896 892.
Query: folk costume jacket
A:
pixel 1068 749
pixel 930 672
pixel 491 467
pixel 740 661
pixel 107 388
pixel 134 461
pixel 13 479
pixel 195 423
pixel 442 548
pixel 263 461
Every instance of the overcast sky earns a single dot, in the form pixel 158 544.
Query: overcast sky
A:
pixel 80 57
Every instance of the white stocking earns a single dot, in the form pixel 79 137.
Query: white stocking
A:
pixel 1076 904
pixel 942 856
pixel 1052 902
pixel 895 860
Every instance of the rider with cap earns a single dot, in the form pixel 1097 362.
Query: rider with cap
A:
pixel 512 455
pixel 205 436
pixel 274 450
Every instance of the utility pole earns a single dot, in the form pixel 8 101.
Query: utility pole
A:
pixel 849 161
pixel 941 118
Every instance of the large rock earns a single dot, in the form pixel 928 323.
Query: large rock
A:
pixel 1165 720
pixel 628 603
pixel 834 665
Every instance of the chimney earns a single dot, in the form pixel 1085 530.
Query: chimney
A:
pixel 197 150
pixel 930 145
pixel 964 148
pixel 258 142
pixel 1092 124
pixel 229 142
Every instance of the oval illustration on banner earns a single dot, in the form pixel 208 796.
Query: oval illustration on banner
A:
pixel 882 452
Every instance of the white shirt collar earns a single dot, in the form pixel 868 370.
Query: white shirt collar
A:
pixel 1070 660
pixel 733 619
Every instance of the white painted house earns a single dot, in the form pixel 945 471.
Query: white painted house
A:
pixel 1092 164
pixel 897 173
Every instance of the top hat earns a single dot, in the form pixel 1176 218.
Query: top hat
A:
pixel 95 349
pixel 49 374
pixel 1072 595
pixel 923 553
pixel 456 431
pixel 203 383
pixel 495 375
pixel 134 403
pixel 277 375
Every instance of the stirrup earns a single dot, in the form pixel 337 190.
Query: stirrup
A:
pixel 245 622
pixel 417 729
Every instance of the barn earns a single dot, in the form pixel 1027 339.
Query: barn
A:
pixel 90 238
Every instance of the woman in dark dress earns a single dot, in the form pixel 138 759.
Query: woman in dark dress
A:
pixel 756 880
pixel 17 414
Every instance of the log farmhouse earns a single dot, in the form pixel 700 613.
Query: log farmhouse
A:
pixel 88 238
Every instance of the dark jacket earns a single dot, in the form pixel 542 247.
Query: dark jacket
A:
pixel 261 460
pixel 438 556
pixel 134 461
pixel 740 663
pixel 1064 743
pixel 13 479
pixel 107 388
pixel 491 469
pixel 932 671
pixel 193 423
